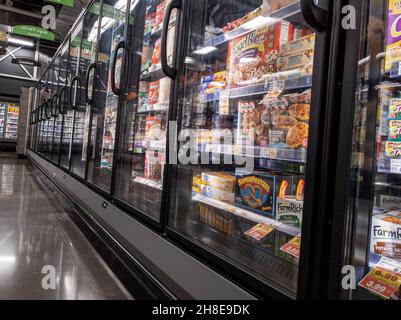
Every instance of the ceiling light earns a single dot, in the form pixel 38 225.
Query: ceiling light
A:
pixel 20 41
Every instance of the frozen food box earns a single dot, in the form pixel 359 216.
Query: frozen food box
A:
pixel 394 109
pixel 393 149
pixel 295 61
pixel 218 219
pixel 289 211
pixel 306 43
pixel 217 194
pixel 254 56
pixel 258 191
pixel 395 130
pixel 219 180
pixel 386 236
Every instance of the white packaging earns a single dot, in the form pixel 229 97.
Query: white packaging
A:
pixel 386 236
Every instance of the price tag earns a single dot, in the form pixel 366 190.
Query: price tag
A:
pixel 293 247
pixel 384 279
pixel 259 231
pixel 395 166
pixel 271 153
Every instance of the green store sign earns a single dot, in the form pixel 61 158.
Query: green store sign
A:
pixel 76 42
pixel 34 32
pixel 108 11
pixel 68 3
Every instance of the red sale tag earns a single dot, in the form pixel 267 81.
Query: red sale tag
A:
pixel 293 247
pixel 384 279
pixel 259 232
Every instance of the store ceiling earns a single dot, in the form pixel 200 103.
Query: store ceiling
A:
pixel 14 12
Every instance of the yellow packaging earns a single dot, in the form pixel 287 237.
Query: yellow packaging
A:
pixel 219 180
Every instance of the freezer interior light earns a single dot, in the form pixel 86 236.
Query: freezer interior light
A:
pixel 205 50
pixel 20 41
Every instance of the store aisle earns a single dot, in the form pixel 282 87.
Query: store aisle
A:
pixel 35 231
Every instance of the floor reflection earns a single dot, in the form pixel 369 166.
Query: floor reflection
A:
pixel 36 232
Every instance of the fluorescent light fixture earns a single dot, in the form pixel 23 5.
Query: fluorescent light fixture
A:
pixel 9 259
pixel 20 41
pixel 258 22
pixel 205 50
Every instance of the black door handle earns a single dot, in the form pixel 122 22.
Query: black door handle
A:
pixel 73 104
pixel 116 91
pixel 168 71
pixel 315 15
pixel 61 108
pixel 48 107
pixel 88 72
pixel 54 106
pixel 42 112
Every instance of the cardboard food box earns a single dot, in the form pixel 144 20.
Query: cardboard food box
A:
pixel 219 180
pixel 386 236
pixel 219 220
pixel 289 211
pixel 217 194
pixel 299 45
pixel 258 191
pixel 394 109
pixel 395 130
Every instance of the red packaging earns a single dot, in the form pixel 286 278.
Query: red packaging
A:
pixel 154 91
pixel 252 57
pixel 156 53
pixel 161 8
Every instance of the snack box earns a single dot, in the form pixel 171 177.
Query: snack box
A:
pixel 258 191
pixel 218 219
pixel 300 45
pixel 289 211
pixel 395 130
pixel 295 61
pixel 217 194
pixel 394 109
pixel 386 236
pixel 219 180
pixel 393 149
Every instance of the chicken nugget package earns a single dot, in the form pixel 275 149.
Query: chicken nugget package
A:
pixel 252 57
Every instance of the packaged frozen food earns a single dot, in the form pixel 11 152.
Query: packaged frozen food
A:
pixel 219 180
pixel 297 46
pixel 298 136
pixel 154 91
pixel 158 22
pixel 393 149
pixel 395 130
pixel 164 90
pixel 394 109
pixel 289 211
pixel 253 56
pixel 294 61
pixel 300 111
pixel 216 77
pixel 147 52
pixel 257 191
pixel 248 17
pixel 154 162
pixel 217 194
pixel 218 219
pixel 386 236
pixel 150 21
pixel 156 54
pixel 153 128
pixel 253 123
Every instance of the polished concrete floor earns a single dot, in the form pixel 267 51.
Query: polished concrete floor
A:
pixel 43 255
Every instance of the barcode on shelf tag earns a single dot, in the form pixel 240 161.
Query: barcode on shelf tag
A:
pixel 395 166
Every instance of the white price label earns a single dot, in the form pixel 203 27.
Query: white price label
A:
pixel 395 166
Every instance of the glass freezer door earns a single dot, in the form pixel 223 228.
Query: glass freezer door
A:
pixel 373 242
pixel 145 111
pixel 243 132
pixel 58 121
pixel 106 95
pixel 86 47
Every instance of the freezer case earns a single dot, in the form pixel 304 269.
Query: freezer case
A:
pixel 243 132
pixel 372 220
pixel 106 94
pixel 145 111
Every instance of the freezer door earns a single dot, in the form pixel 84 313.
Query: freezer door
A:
pixel 106 94
pixel 245 109
pixel 145 110
pixel 85 47
pixel 369 207
pixel 58 120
